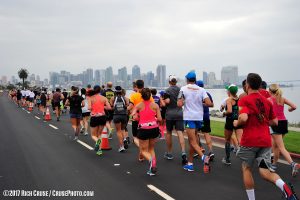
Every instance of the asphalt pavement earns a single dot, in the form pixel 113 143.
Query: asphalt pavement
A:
pixel 41 156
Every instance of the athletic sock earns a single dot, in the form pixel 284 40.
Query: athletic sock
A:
pixel 250 194
pixel 279 183
pixel 227 150
pixel 284 187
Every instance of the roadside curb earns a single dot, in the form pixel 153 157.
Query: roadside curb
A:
pixel 222 141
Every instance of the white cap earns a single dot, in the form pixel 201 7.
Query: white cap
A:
pixel 172 77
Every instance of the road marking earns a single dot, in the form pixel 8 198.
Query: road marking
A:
pixel 85 145
pixel 37 117
pixel 53 126
pixel 116 165
pixel 159 192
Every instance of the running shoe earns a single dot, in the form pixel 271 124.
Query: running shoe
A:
pixel 128 140
pixel 125 142
pixel 82 130
pixel 273 168
pixel 86 134
pixel 151 173
pixel 295 168
pixel 206 167
pixel 226 161
pixel 75 138
pixel 168 156
pixel 57 119
pixel 110 134
pixel 289 193
pixel 189 168
pixel 97 145
pixel 184 159
pixel 121 149
pixel 195 155
pixel 99 152
pixel 211 156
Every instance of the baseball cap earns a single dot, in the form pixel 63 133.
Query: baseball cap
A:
pixel 233 89
pixel 191 75
pixel 200 83
pixel 118 89
pixel 172 78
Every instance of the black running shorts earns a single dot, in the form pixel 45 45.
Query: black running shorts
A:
pixel 98 121
pixel 146 134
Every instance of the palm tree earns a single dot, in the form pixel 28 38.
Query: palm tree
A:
pixel 23 74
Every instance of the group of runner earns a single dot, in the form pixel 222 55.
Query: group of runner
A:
pixel 253 116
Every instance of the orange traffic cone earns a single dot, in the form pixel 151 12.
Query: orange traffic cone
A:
pixel 105 142
pixel 47 115
pixel 30 107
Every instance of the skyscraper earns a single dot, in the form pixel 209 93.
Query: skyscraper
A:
pixel 122 76
pixel 54 78
pixel 229 75
pixel 89 76
pixel 109 76
pixel 211 79
pixel 136 73
pixel 161 76
pixel 205 78
pixel 97 76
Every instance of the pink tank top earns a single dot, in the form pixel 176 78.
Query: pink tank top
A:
pixel 147 117
pixel 278 109
pixel 97 108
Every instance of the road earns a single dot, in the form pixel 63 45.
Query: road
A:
pixel 37 156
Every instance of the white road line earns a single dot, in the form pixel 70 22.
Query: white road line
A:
pixel 159 192
pixel 53 126
pixel 85 145
pixel 28 112
pixel 37 117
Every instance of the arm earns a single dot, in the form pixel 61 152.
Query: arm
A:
pixel 180 99
pixel 292 106
pixel 90 103
pixel 229 107
pixel 67 102
pixel 158 114
pixel 241 120
pixel 162 102
pixel 107 104
pixel 273 122
pixel 112 101
pixel 208 102
pixel 82 103
pixel 62 97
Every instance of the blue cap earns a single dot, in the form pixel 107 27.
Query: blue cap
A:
pixel 200 83
pixel 191 75
pixel 162 93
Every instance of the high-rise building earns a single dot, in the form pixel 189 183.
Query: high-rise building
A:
pixel 90 76
pixel 97 77
pixel 205 78
pixel 211 79
pixel 54 78
pixel 161 76
pixel 229 75
pixel 109 76
pixel 149 81
pixel 122 77
pixel 136 73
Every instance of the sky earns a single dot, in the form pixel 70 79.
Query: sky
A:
pixel 261 36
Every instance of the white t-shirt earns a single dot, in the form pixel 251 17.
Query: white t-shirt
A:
pixel 27 93
pixel 31 94
pixel 193 96
pixel 23 92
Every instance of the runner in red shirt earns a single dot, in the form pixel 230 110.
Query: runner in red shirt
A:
pixel 256 114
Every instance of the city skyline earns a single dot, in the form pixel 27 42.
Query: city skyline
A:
pixel 258 36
